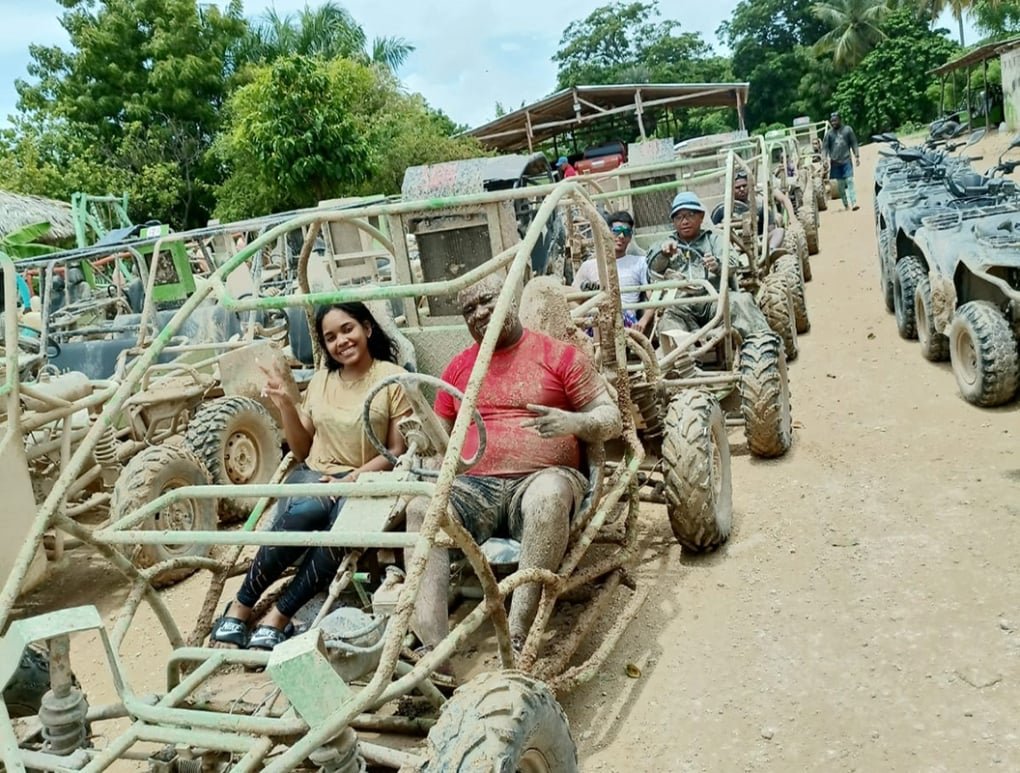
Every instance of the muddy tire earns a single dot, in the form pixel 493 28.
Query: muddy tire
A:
pixel 934 345
pixel 501 721
pixel 151 473
pixel 698 481
pixel 808 217
pixel 765 397
pixel 885 276
pixel 789 268
pixel 821 198
pixel 775 301
pixel 909 271
pixel 983 352
pixel 23 693
pixel 238 441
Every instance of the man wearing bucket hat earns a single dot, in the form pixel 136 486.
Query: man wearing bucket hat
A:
pixel 692 252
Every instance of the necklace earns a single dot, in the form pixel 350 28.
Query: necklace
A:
pixel 357 379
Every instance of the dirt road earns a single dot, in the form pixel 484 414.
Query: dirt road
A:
pixel 865 614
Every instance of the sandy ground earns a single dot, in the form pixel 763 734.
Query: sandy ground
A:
pixel 865 614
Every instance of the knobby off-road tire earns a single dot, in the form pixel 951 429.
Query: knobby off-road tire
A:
pixel 934 345
pixel 983 352
pixel 774 300
pixel 698 480
pixel 821 199
pixel 239 442
pixel 886 256
pixel 503 722
pixel 796 244
pixel 765 397
pixel 909 271
pixel 808 217
pixel 789 268
pixel 151 473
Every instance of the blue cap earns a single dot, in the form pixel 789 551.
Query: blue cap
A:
pixel 686 200
pixel 561 161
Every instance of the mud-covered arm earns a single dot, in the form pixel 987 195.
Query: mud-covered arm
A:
pixel 597 420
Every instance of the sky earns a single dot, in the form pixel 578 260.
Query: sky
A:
pixel 468 55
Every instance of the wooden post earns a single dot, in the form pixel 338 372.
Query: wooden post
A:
pixel 970 117
pixel 942 96
pixel 638 109
pixel 985 100
pixel 527 120
pixel 740 112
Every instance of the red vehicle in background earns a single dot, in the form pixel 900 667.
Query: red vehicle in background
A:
pixel 602 158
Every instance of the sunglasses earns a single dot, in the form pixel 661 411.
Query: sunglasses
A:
pixel 622 230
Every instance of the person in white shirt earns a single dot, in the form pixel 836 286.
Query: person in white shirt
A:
pixel 631 266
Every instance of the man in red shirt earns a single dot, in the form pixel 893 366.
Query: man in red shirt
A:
pixel 539 400
pixel 565 168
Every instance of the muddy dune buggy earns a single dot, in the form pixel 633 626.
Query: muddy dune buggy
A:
pixel 689 389
pixel 344 692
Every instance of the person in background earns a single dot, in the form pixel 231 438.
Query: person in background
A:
pixel 631 266
pixel 839 144
pixel 565 168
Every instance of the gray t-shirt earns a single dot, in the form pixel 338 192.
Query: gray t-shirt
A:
pixel 840 143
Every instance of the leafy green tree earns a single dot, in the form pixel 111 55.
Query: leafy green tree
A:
pixel 854 28
pixel 772 41
pixel 997 19
pixel 625 43
pixel 328 31
pixel 891 85
pixel 136 97
pixel 285 145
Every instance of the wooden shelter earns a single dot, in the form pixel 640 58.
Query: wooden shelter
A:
pixel 569 109
pixel 980 55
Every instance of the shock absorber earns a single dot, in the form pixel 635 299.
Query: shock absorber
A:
pixel 649 405
pixel 63 707
pixel 340 756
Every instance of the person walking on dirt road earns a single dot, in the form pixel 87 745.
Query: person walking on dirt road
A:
pixel 839 144
pixel 326 433
pixel 541 398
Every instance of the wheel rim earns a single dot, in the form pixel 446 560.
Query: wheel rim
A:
pixel 179 516
pixel 241 457
pixel 966 359
pixel 533 761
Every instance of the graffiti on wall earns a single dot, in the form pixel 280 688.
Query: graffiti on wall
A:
pixel 1010 63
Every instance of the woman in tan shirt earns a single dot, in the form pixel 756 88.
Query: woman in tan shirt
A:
pixel 325 431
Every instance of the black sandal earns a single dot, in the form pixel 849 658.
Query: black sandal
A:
pixel 265 637
pixel 230 630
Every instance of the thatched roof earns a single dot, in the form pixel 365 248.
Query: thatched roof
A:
pixel 18 210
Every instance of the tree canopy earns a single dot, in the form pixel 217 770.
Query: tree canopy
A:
pixel 194 109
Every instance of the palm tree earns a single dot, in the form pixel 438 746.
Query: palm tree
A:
pixel 957 8
pixel 329 32
pixel 854 28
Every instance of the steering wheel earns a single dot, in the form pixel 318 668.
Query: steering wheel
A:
pixel 412 383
